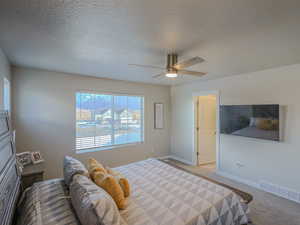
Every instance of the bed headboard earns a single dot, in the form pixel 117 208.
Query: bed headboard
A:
pixel 9 172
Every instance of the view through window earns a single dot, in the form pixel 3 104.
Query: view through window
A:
pixel 104 120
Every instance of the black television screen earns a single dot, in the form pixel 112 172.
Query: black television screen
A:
pixel 256 121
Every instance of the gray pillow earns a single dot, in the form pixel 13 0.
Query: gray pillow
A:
pixel 71 167
pixel 92 204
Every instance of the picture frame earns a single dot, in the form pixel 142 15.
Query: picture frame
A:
pixel 24 158
pixel 36 157
pixel 158 115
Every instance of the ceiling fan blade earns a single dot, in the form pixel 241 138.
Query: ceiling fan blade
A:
pixel 188 63
pixel 193 73
pixel 147 66
pixel 159 75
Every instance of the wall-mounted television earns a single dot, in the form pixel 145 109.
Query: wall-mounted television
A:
pixel 255 121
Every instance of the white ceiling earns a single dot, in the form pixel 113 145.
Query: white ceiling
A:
pixel 101 37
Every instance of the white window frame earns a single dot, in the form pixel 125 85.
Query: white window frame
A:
pixel 6 95
pixel 100 148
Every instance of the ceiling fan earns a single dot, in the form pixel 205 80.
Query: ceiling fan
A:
pixel 174 68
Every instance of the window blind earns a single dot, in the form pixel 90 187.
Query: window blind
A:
pixel 104 120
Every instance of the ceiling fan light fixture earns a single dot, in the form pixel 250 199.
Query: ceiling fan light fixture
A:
pixel 171 75
pixel 174 67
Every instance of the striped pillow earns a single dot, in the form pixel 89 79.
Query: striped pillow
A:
pixel 92 204
pixel 71 167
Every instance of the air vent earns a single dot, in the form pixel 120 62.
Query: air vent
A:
pixel 280 191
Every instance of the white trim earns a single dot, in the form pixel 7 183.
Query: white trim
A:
pixel 182 160
pixel 207 163
pixel 164 157
pixel 265 186
pixel 6 95
pixel 177 158
pixel 194 155
pixel 104 148
pixel 280 191
pixel 105 92
pixel 238 179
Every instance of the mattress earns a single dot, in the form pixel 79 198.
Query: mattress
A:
pixel 162 194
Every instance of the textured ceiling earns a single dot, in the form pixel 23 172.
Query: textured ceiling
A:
pixel 101 37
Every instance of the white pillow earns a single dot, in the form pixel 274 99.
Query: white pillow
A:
pixel 252 122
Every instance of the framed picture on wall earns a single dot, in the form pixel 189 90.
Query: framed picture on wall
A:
pixel 36 157
pixel 158 115
pixel 24 158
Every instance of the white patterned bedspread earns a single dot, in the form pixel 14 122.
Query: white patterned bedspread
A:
pixel 162 194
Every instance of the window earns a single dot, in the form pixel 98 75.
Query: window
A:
pixel 6 94
pixel 105 120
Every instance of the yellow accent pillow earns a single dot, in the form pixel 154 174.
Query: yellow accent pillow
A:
pixel 265 124
pixel 94 165
pixel 108 182
pixel 111 186
pixel 275 124
pixel 122 181
pixel 125 186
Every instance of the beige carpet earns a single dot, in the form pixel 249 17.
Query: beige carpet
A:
pixel 266 208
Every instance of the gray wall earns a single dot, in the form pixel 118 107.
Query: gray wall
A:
pixel 269 161
pixel 44 117
pixel 4 72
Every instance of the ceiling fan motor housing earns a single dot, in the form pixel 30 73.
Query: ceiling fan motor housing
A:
pixel 172 60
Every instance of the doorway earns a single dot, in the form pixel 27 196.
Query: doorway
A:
pixel 206 130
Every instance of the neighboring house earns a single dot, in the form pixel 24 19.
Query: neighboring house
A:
pixel 103 115
pixel 83 114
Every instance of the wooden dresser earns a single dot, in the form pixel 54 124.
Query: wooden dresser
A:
pixel 32 173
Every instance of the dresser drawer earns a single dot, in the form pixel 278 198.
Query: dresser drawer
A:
pixel 6 152
pixel 7 189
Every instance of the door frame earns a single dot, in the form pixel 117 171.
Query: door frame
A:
pixel 195 138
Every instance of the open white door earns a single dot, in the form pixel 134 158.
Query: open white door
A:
pixel 206 129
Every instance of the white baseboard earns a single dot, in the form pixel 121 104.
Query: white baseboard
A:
pixel 280 191
pixel 207 163
pixel 164 157
pixel 181 160
pixel 265 186
pixel 238 179
pixel 177 158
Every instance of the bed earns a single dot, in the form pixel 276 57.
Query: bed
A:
pixel 255 132
pixel 161 194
